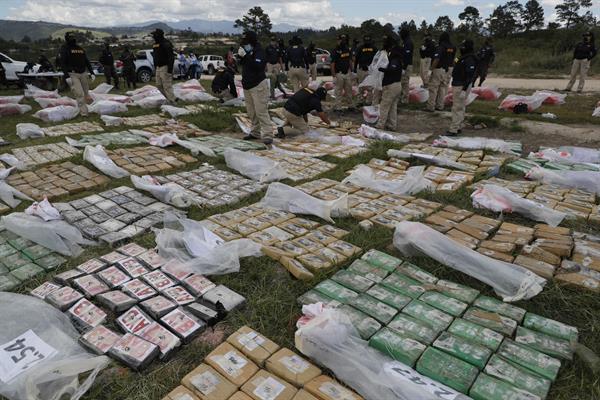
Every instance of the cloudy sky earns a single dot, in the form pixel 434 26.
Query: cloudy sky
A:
pixel 309 13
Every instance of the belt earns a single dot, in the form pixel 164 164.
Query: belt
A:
pixel 298 66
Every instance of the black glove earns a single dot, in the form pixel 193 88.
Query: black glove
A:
pixel 381 69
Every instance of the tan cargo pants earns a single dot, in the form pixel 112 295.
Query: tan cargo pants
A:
pixel 312 71
pixel 343 90
pixel 164 82
pixel 438 89
pixel 273 71
pixel 581 68
pixel 80 86
pixel 458 108
pixel 294 125
pixel 424 72
pixel 298 78
pixel 406 84
pixel 388 108
pixel 257 100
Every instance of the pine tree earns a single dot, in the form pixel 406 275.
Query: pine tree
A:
pixel 471 19
pixel 533 15
pixel 255 20
pixel 568 11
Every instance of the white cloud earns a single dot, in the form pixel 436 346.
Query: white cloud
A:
pixel 453 2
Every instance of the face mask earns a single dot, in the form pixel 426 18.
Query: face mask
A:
pixel 71 41
pixel 247 47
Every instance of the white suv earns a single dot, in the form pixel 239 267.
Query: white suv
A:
pixel 210 63
pixel 12 67
pixel 144 66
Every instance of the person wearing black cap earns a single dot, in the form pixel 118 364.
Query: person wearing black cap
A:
pixel 311 60
pixel 74 65
pixel 486 56
pixel 408 49
pixel 128 59
pixel 163 63
pixel 108 63
pixel 256 87
pixel 341 70
pixel 364 57
pixel 583 54
pixel 391 85
pixel 274 63
pixel 223 84
pixel 296 111
pixel 426 52
pixel 441 68
pixel 296 62
pixel 463 76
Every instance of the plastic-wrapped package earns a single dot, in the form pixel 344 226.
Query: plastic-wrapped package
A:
pixel 28 130
pixel 170 193
pixel 198 250
pixel 414 181
pixel 13 109
pixel 237 102
pixel 174 111
pixel 500 199
pixel 533 102
pixel 260 169
pixel 143 89
pixel 36 324
pixel 510 281
pixel 418 95
pixel 193 95
pixel 104 107
pixel 169 139
pixel 8 193
pixel 154 101
pixel 569 155
pixel 552 98
pixel 586 180
pixel 374 133
pixel 10 99
pixel 53 102
pixel 143 95
pixel 44 209
pixel 102 88
pixel 441 161
pixel 189 84
pixel 96 156
pixel 287 198
pixel 327 336
pixel 57 114
pixel 111 121
pixel 370 114
pixel 596 112
pixel 13 161
pixel 488 93
pixel 34 91
pixel 471 98
pixel 110 97
pixel 477 143
pixel 375 77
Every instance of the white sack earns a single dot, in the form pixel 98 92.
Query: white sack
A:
pixel 193 95
pixel 111 121
pixel 258 168
pixel 26 130
pixel 13 161
pixel 174 112
pixel 34 91
pixel 46 102
pixel 57 114
pixel 586 180
pixel 569 155
pixel 96 156
pixel 371 114
pixel 154 101
pixel 143 89
pixel 14 109
pixel 102 88
pixel 170 193
pixel 476 143
pixel 374 133
pixel 10 99
pixel 8 194
pixel 111 97
pixel 375 77
pixel 105 107
pixel 44 209
pixel 413 182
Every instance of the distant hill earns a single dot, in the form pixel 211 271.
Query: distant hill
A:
pixel 214 26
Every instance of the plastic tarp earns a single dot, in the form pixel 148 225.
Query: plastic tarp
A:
pixel 327 336
pixel 102 88
pixel 57 114
pixel 10 99
pixel 286 198
pixel 8 194
pixel 26 130
pixel 196 249
pixel 476 143
pixel 418 95
pixel 258 168
pixel 375 77
pixel 533 102
pixel 552 98
pixel 154 101
pixel 34 91
pixel 413 182
pixel 44 209
pixel 471 98
pixel 510 281
pixel 96 156
pixel 55 235
pixel 441 161
pixel 585 180
pixel 370 114
pixel 13 109
pixel 170 193
pixel 374 133
pixel 174 111
pixel 500 199
pixel 488 93
pixel 53 102
pixel 104 107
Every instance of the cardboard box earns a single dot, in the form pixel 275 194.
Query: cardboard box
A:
pixel 240 396
pixel 208 384
pixel 304 395
pixel 325 388
pixel 266 386
pixel 254 345
pixel 231 363
pixel 289 366
pixel 180 393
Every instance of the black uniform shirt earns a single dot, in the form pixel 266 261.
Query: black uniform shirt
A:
pixel 223 80
pixel 303 101
pixel 106 58
pixel 445 54
pixel 486 55
pixel 162 53
pixel 342 57
pixel 393 72
pixel 365 55
pixel 296 56
pixel 407 53
pixel 273 54
pixel 584 51
pixel 74 59
pixel 427 50
pixel 253 67
pixel 311 56
pixel 464 71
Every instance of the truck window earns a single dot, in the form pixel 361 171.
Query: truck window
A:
pixel 141 55
pixel 4 59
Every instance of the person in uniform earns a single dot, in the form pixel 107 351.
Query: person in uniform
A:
pixel 223 84
pixel 486 56
pixel 256 87
pixel 74 65
pixel 364 56
pixel 463 76
pixel 296 111
pixel 408 49
pixel 311 60
pixel 391 85
pixel 45 64
pixel 274 63
pixel 163 62
pixel 128 60
pixel 108 64
pixel 341 70
pixel 441 66
pixel 296 63
pixel 426 52
pixel 584 52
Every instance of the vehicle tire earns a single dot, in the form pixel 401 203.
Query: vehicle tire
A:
pixel 144 75
pixel 211 69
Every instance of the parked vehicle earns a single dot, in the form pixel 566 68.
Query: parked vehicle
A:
pixel 323 61
pixel 144 66
pixel 210 63
pixel 13 66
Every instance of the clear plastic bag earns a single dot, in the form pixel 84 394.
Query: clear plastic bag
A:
pixel 441 161
pixel 193 95
pixel 10 99
pixel 151 101
pixel 110 97
pixel 102 88
pixel 286 198
pixel 596 112
pixel 14 109
pixel 44 209
pixel 170 193
pixel 111 121
pixel 569 155
pixel 414 181
pixel 586 180
pixel 13 161
pixel 174 112
pixel 533 102
pixel 552 98
pixel 374 133
pixel 26 130
pixel 375 77
pixel 470 98
pixel 260 169
pixel 34 91
pixel 370 114
pixel 478 143
pixel 488 93
pixel 99 159
pixel 418 95
pixel 105 107
pixel 50 333
pixel 8 194
pixel 510 281
pixel 142 90
pixel 500 199
pixel 52 102
pixel 57 114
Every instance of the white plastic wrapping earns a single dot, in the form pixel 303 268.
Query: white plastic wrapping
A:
pixel 236 102
pixel 533 102
pixel 13 109
pixel 371 114
pixel 45 102
pixel 169 139
pixel 596 112
pixel 55 235
pixel 374 133
pixel 142 90
pixel 174 111
pixel 499 199
pixel 102 88
pixel 111 121
pixel 193 95
pixel 10 99
pixel 552 98
pixel 476 143
pixel 198 250
pixel 287 198
pixel 8 194
pixel 258 168
pixel 375 77
pixel 488 93
pixel 104 107
pixel 569 155
pixel 44 209
pixel 510 281
pixel 34 91
pixel 57 375
pixel 418 95
pixel 441 161
pixel 413 182
pixel 12 161
pixel 57 114
pixel 470 98
pixel 111 97
pixel 154 101
pixel 586 180
pixel 26 130
pixel 99 159
pixel 170 193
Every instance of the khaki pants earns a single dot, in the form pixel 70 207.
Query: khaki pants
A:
pixel 406 84
pixel 376 97
pixel 80 86
pixel 388 108
pixel 458 108
pixel 298 78
pixel 343 90
pixel 312 71
pixel 294 125
pixel 581 68
pixel 438 89
pixel 425 67
pixel 273 71
pixel 164 82
pixel 257 100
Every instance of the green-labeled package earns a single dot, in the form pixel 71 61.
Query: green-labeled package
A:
pixel 352 281
pixel 365 325
pixel 488 388
pixel 499 307
pixel 373 307
pixel 529 358
pixel 449 370
pixel 370 271
pixel 496 322
pixel 26 272
pixel 381 260
pixel 430 316
pixel 313 296
pixel 550 327
pixel 404 285
pixel 336 291
pixel 398 347
pixel 476 333
pixel 389 297
pixel 472 353
pixel 445 303
pixel 413 328
pixel 518 376
pixel 36 251
pixel 547 344
pixel 457 291
pixel 417 273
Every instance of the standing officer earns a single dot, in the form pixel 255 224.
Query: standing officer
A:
pixel 463 76
pixel 426 52
pixel 486 57
pixel 441 66
pixel 341 70
pixel 74 64
pixel 364 56
pixel 296 109
pixel 392 85
pixel 223 85
pixel 128 59
pixel 296 60
pixel 163 62
pixel 256 91
pixel 408 49
pixel 311 59
pixel 274 63
pixel 108 63
pixel 583 54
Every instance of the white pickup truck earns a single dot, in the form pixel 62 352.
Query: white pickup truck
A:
pixel 12 67
pixel 144 66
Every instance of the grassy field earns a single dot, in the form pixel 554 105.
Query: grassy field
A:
pixel 271 292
